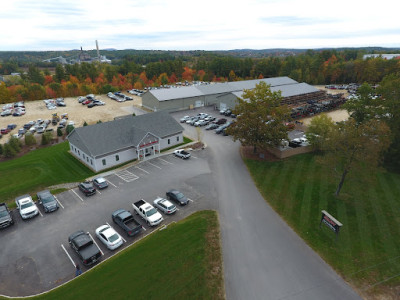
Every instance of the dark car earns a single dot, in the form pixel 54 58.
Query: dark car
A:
pixel 87 188
pixel 177 196
pixel 211 126
pixel 84 247
pixel 100 183
pixel 220 121
pixel 11 126
pixel 228 112
pixel 47 200
pixel 6 218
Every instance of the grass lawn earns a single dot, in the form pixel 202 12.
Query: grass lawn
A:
pixel 39 169
pixel 180 262
pixel 367 252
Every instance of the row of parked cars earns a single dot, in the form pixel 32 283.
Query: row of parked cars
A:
pixel 119 97
pixel 15 109
pixel 136 92
pixel 210 122
pixel 90 101
pixel 54 103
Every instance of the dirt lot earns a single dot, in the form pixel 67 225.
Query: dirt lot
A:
pixel 336 115
pixel 77 112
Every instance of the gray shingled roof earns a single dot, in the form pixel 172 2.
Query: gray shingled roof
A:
pixel 107 137
pixel 289 90
pixel 176 93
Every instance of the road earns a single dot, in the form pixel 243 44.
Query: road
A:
pixel 263 257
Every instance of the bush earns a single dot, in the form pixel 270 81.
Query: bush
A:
pixel 85 123
pixel 15 143
pixel 59 132
pixel 46 138
pixel 69 129
pixel 99 121
pixel 9 151
pixel 1 149
pixel 30 139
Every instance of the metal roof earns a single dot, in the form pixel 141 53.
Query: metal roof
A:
pixel 176 93
pixel 107 137
pixel 289 90
pixel 251 84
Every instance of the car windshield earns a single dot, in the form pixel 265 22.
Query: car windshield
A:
pixel 100 180
pixel 113 238
pixel 3 213
pixel 179 195
pixel 48 199
pixel 170 207
pixel 151 212
pixel 26 205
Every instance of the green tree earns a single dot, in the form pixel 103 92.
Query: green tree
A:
pixel 34 75
pixel 46 138
pixel 85 123
pixel 355 147
pixel 29 139
pixel 15 143
pixel 318 130
pixel 1 149
pixel 59 132
pixel 9 151
pixel 60 73
pixel 261 118
pixel 69 129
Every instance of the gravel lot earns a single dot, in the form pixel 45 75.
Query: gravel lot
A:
pixel 77 112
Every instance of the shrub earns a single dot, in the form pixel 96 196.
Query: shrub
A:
pixel 9 151
pixel 30 139
pixel 69 129
pixel 59 132
pixel 46 138
pixel 15 143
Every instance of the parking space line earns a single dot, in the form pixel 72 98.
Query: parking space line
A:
pixel 40 212
pixel 154 165
pixel 143 228
pixel 116 231
pixel 142 170
pixel 111 183
pixel 165 161
pixel 59 202
pixel 190 200
pixel 126 175
pixel 102 253
pixel 77 195
pixel 98 191
pixel 193 156
pixel 72 261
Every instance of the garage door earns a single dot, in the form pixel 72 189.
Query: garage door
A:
pixel 222 106
pixel 198 103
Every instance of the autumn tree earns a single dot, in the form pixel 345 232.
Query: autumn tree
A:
pixel 318 129
pixel 261 118
pixel 354 147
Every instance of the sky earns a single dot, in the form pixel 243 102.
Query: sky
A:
pixel 197 25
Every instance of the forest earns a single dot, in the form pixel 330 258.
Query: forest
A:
pixel 140 69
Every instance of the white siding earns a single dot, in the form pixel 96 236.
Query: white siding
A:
pixel 82 156
pixel 124 156
pixel 172 141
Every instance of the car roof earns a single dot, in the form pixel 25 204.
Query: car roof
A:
pixel 100 179
pixel 109 232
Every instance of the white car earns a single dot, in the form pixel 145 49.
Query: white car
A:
pixel 184 119
pixel 165 206
pixel 27 208
pixel 109 237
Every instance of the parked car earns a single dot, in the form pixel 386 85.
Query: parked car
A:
pixel 228 112
pixel 193 120
pixel 127 222
pixel 81 99
pixel 6 218
pixel 220 121
pixel 184 119
pixel 222 111
pixel 181 153
pixel 87 188
pixel 177 196
pixel 100 183
pixel 47 200
pixel 11 126
pixel 6 113
pixel 83 245
pixel 202 122
pixel 211 126
pixel 164 205
pixel 4 130
pixel 27 208
pixel 109 237
pixel 147 212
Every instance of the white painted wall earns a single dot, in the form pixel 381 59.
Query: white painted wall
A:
pixel 124 156
pixel 82 156
pixel 173 141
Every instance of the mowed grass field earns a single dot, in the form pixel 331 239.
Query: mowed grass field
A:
pixel 367 251
pixel 182 261
pixel 39 169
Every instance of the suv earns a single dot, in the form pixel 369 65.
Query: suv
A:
pixel 84 247
pixel 5 216
pixel 27 209
pixel 87 188
pixel 47 200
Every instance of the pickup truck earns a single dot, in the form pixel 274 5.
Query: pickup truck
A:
pixel 84 247
pixel 125 220
pixel 5 216
pixel 182 153
pixel 27 209
pixel 147 212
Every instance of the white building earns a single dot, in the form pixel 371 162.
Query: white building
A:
pixel 105 145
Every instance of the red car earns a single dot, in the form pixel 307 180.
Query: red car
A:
pixel 86 102
pixel 4 131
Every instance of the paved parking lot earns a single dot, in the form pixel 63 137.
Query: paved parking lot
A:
pixel 35 254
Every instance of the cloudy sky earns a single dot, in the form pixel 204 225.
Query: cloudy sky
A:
pixel 197 25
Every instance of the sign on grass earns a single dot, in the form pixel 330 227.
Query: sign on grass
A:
pixel 330 222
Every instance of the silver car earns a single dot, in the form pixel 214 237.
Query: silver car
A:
pixel 109 237
pixel 165 206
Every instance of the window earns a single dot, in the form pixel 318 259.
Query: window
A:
pixel 91 162
pixel 169 141
pixel 177 138
pixel 83 155
pixel 116 157
pixel 79 153
pixel 104 162
pixel 87 158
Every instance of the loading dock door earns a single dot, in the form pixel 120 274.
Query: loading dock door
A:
pixel 222 106
pixel 198 103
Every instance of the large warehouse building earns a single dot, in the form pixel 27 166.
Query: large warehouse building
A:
pixel 224 95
